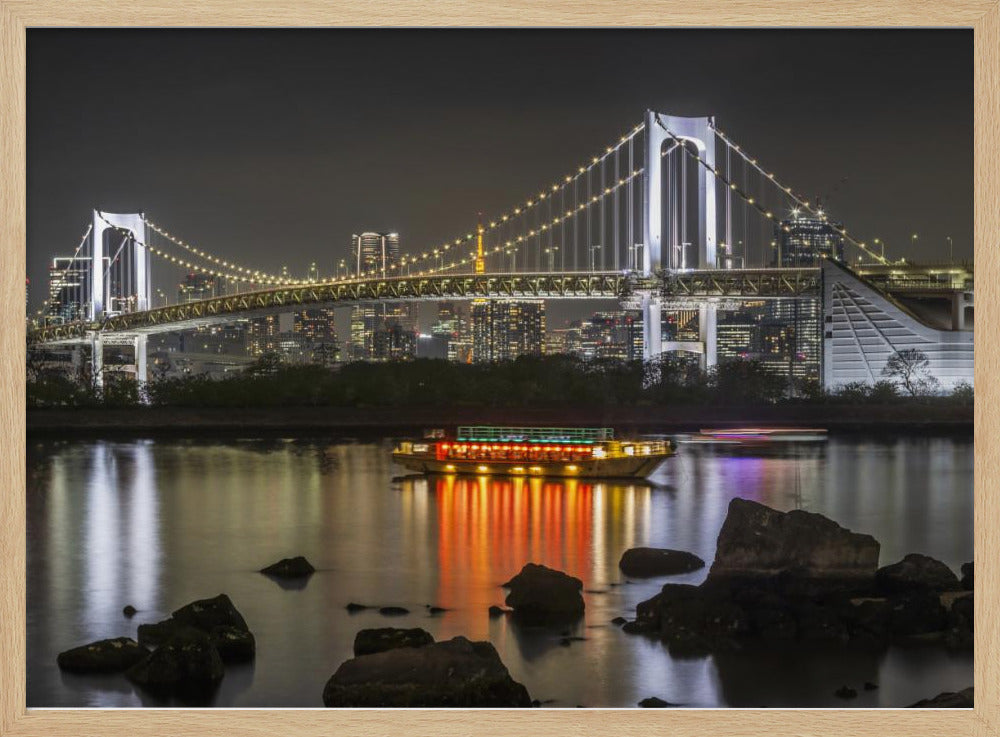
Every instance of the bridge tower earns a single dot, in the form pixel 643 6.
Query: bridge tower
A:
pixel 660 129
pixel 133 286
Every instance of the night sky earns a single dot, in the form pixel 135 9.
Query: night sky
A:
pixel 271 147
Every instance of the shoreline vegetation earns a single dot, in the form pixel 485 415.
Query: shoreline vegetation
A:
pixel 666 395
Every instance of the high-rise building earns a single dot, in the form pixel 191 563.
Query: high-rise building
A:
pixel 377 254
pixel 505 329
pixel 803 239
pixel 69 289
pixel 615 334
pixel 785 336
pixel 317 331
pixel 264 334
pixel 197 286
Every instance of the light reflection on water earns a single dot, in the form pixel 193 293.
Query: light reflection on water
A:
pixel 159 523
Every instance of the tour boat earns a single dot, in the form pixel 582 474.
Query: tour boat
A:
pixel 567 452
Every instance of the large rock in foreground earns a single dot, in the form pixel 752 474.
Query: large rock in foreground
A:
pixel 916 572
pixel 757 541
pixel 216 617
pixel 368 642
pixel 455 673
pixel 949 700
pixel 187 665
pixel 645 562
pixel 541 594
pixel 103 656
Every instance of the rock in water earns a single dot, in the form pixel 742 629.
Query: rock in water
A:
pixel 355 607
pixel 916 572
pixel 968 576
pixel 544 595
pixel 216 617
pixel 948 700
pixel 496 611
pixel 129 611
pixel 454 673
pixel 367 642
pixel 234 645
pixel 645 562
pixel 297 567
pixel 393 611
pixel 187 665
pixel 653 702
pixel 207 614
pixel 103 656
pixel 756 541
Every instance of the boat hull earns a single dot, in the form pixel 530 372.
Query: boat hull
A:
pixel 607 468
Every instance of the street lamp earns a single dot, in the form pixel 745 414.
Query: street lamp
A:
pixel 594 249
pixel 552 254
pixel 951 250
pixel 881 245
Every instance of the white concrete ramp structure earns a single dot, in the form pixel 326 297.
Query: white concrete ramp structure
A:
pixel 862 328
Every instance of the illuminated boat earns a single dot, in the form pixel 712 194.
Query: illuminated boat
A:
pixel 534 451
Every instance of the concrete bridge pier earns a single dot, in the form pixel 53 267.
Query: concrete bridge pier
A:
pixel 708 314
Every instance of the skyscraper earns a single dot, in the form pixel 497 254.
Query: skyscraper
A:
pixel 317 331
pixel 505 329
pixel 69 289
pixel 377 255
pixel 803 239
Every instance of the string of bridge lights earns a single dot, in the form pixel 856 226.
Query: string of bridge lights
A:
pixel 468 259
pixel 409 260
pixel 863 246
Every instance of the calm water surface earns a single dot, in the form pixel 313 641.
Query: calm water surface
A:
pixel 159 523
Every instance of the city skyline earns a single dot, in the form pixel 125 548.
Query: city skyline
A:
pixel 474 151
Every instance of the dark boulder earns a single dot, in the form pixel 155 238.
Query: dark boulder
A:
pixel 496 611
pixel 916 572
pixel 103 656
pixel 296 567
pixel 917 615
pixel 619 621
pixel 757 541
pixel 156 633
pixel 370 641
pixel 432 610
pixel 129 611
pixel 544 595
pixel 653 702
pixel 207 614
pixel 454 673
pixel 869 621
pixel 355 607
pixel 187 665
pixel 393 611
pixel 963 699
pixel 961 620
pixel 645 562
pixel 968 576
pixel 234 645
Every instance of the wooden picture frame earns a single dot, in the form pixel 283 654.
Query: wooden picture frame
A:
pixel 17 15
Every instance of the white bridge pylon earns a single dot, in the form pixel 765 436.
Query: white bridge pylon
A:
pixel 662 128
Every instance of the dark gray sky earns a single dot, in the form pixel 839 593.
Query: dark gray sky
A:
pixel 271 147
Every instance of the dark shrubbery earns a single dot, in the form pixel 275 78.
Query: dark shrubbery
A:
pixel 529 381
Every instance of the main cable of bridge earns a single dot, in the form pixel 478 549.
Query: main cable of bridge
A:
pixel 750 200
pixel 83 240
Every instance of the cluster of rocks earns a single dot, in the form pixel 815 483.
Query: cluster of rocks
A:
pixel 183 656
pixel 407 668
pixel 800 577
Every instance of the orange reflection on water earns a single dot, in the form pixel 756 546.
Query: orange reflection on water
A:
pixel 488 528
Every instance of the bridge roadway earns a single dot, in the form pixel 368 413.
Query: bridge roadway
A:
pixel 696 285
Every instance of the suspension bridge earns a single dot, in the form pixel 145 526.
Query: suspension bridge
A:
pixel 672 215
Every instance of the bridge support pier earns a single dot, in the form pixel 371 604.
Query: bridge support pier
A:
pixel 97 360
pixel 138 344
pixel 707 320
pixel 652 315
